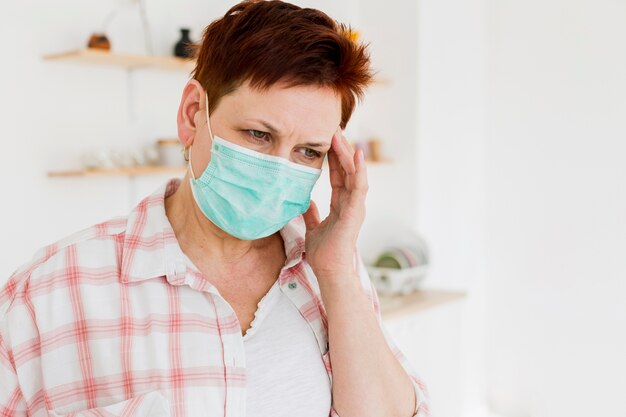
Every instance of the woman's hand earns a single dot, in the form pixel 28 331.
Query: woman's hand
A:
pixel 330 245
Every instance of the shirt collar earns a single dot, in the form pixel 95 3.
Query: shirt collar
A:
pixel 150 248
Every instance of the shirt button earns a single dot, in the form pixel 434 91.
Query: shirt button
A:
pixel 292 285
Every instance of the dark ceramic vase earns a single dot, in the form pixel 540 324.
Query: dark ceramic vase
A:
pixel 182 49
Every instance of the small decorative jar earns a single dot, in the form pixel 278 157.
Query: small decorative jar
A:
pixel 182 49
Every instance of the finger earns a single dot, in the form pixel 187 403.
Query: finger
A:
pixel 344 152
pixel 337 179
pixel 347 143
pixel 336 173
pixel 358 183
pixel 348 148
pixel 311 216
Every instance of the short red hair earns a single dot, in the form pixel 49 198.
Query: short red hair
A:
pixel 266 42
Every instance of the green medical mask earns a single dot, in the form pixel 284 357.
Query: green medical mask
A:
pixel 248 194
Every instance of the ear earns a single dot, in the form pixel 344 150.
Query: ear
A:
pixel 191 104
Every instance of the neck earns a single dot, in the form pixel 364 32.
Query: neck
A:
pixel 198 235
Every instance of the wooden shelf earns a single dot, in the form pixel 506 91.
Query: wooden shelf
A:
pixel 131 171
pixel 91 56
pixel 381 161
pixel 404 305
pixel 128 61
pixel 382 81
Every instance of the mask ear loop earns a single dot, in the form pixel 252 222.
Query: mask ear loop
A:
pixel 208 123
pixel 188 159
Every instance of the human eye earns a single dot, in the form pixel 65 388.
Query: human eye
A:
pixel 257 134
pixel 311 154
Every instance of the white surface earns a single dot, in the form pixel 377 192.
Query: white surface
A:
pixel 535 201
pixel 452 130
pixel 556 208
pixel 432 343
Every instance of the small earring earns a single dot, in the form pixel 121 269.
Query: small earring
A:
pixel 186 153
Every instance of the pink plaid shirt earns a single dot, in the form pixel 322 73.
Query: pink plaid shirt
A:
pixel 116 321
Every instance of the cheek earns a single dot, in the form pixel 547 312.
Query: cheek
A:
pixel 319 163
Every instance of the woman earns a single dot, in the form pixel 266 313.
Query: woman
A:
pixel 223 293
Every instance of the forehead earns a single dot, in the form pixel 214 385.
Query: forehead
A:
pixel 287 107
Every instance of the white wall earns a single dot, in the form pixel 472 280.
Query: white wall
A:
pixel 527 213
pixel 388 112
pixel 556 208
pixel 452 130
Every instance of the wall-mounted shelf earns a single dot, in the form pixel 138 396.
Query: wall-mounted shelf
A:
pixel 128 61
pixel 91 56
pixel 380 161
pixel 109 172
pixel 382 81
pixel 403 305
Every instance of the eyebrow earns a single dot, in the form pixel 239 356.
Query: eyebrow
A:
pixel 265 124
pixel 272 129
pixel 317 144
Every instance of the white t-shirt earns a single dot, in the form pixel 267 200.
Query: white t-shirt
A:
pixel 285 373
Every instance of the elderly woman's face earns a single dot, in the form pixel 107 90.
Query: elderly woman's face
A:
pixel 295 123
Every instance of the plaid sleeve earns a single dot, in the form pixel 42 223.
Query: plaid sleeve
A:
pixel 12 402
pixel 421 392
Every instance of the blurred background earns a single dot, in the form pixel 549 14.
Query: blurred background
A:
pixel 497 133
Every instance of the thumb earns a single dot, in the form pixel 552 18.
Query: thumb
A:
pixel 311 216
